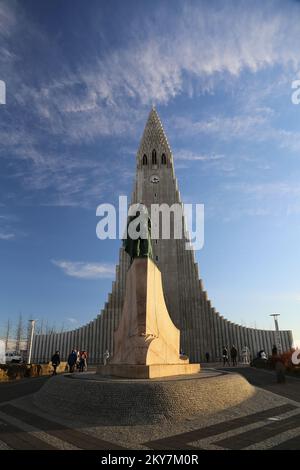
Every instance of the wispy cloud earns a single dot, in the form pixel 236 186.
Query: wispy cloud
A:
pixel 254 125
pixel 7 236
pixel 273 189
pixel 188 155
pixel 276 199
pixel 8 228
pixel 85 270
pixel 202 41
pixel 72 320
pixel 7 18
pixel 109 93
pixel 223 126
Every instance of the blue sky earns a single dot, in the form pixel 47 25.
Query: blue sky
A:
pixel 81 78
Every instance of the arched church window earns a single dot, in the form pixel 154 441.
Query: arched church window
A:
pixel 145 160
pixel 154 159
pixel 163 159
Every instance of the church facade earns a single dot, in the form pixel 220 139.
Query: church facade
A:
pixel 202 328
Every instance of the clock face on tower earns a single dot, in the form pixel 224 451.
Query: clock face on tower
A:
pixel 154 179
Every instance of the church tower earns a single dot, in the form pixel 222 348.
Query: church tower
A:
pixel 202 328
pixel 156 184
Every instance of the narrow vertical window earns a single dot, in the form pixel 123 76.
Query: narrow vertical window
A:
pixel 145 160
pixel 163 159
pixel 154 159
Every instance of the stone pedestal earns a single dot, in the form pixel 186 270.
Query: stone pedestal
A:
pixel 147 372
pixel 146 342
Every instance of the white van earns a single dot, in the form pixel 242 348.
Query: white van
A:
pixel 13 357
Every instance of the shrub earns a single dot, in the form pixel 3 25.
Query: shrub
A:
pixel 285 358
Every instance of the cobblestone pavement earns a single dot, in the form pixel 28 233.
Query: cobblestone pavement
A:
pixel 270 420
pixel 19 388
pixel 266 379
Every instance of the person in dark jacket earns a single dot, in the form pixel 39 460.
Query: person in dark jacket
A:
pixel 233 355
pixel 55 362
pixel 225 356
pixel 72 360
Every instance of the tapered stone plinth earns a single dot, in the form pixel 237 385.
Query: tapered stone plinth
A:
pixel 146 342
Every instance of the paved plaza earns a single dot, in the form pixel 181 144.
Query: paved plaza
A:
pixel 268 420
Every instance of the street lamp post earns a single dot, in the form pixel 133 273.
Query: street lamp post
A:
pixel 277 332
pixel 31 340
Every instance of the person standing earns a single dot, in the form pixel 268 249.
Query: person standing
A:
pixel 246 355
pixel 83 361
pixel 55 362
pixel 233 354
pixel 78 359
pixel 106 357
pixel 207 356
pixel 225 356
pixel 72 360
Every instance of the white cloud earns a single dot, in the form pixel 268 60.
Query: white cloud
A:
pixel 84 270
pixel 181 52
pixel 7 236
pixel 254 125
pixel 188 155
pixel 9 228
pixel 274 189
pixel 7 17
pixel 193 51
pixel 201 41
pixel 225 127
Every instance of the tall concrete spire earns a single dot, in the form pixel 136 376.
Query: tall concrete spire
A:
pixel 154 160
pixel 154 136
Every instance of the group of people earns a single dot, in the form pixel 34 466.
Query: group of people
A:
pixel 233 355
pixel 77 360
pixel 225 355
pixel 245 355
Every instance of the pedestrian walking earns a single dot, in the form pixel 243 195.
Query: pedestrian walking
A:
pixel 55 360
pixel 83 361
pixel 233 355
pixel 246 355
pixel 72 360
pixel 225 356
pixel 207 356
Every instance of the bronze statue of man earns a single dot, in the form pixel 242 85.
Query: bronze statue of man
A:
pixel 139 246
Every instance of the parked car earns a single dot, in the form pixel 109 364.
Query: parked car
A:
pixel 13 357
